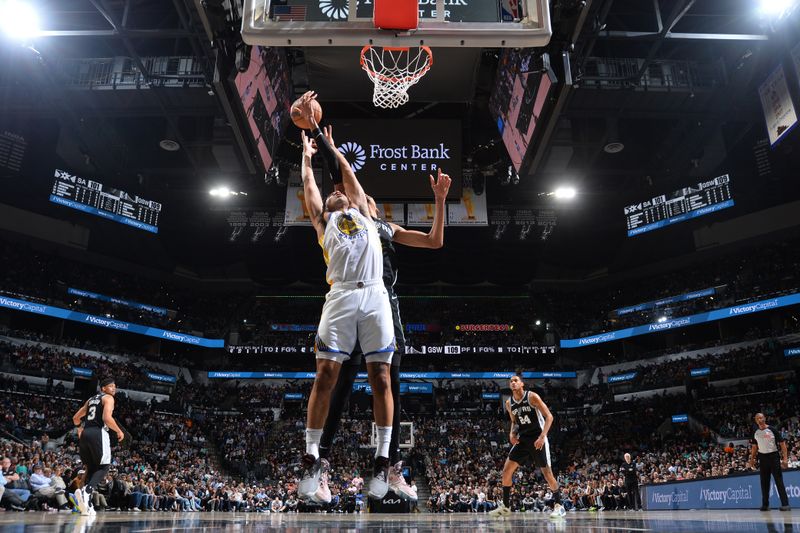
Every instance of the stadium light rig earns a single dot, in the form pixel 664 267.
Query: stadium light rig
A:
pixel 561 193
pixel 776 8
pixel 564 193
pixel 19 20
pixel 224 192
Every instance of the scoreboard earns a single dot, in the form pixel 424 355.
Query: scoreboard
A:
pixel 681 205
pixel 113 204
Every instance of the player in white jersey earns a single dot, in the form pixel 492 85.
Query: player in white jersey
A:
pixel 356 308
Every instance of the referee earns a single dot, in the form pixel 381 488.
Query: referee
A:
pixel 765 445
pixel 631 475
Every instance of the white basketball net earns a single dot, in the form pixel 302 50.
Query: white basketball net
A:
pixel 393 71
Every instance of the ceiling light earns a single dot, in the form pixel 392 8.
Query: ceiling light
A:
pixel 775 7
pixel 662 319
pixel 538 322
pixel 614 147
pixel 18 20
pixel 222 192
pixel 169 145
pixel 565 193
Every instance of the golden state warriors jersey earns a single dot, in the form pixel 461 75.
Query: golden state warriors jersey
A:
pixel 352 248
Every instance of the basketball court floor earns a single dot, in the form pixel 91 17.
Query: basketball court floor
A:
pixel 609 522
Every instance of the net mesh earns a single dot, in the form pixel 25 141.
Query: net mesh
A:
pixel 394 71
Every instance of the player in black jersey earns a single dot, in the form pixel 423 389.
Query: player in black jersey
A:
pixel 531 420
pixel 389 233
pixel 97 415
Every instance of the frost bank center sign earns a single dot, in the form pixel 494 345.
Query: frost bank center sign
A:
pixel 733 492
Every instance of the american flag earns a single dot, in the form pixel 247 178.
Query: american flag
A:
pixel 288 13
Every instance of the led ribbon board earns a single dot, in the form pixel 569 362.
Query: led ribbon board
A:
pixel 679 206
pixel 666 301
pixel 403 375
pixel 112 204
pixel 700 318
pixel 110 323
pixel 119 301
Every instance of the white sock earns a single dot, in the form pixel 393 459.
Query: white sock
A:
pixel 384 438
pixel 313 437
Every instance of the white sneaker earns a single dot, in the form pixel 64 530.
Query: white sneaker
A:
pixel 558 511
pixel 81 502
pixel 323 494
pixel 309 481
pixel 397 483
pixel 500 511
pixel 379 483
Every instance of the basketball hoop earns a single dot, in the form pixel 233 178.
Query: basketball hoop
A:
pixel 393 70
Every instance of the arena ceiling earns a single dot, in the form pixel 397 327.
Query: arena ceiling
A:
pixel 707 119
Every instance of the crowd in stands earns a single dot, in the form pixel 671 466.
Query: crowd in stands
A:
pixel 172 464
pixel 729 363
pixel 56 363
pixel 47 277
pixel 757 273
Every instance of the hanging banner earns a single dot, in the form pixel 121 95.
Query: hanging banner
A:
pixel 394 213
pixel 422 215
pixel 779 112
pixel 470 211
pixel 296 213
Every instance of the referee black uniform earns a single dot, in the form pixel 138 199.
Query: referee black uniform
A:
pixel 631 476
pixel 765 442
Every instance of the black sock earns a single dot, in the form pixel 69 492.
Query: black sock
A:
pixel 557 496
pixel 506 495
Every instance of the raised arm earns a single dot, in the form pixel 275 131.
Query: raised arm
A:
pixel 352 188
pixel 435 237
pixel 536 401
pixel 311 194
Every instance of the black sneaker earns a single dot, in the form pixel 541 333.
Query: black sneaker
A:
pixel 785 508
pixel 379 484
pixel 764 509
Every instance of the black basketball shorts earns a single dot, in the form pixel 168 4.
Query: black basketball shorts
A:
pixel 524 452
pixel 95 447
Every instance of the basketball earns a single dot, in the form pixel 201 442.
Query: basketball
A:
pixel 299 120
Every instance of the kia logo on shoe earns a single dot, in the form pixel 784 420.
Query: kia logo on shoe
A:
pixel 393 501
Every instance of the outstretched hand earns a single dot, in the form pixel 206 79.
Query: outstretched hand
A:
pixel 440 185
pixel 309 146
pixel 305 107
pixel 328 132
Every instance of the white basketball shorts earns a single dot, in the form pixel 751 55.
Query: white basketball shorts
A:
pixel 356 311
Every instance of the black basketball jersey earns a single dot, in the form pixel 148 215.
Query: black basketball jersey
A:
pixel 530 420
pixel 94 413
pixel 386 234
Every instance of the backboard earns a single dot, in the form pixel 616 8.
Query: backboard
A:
pixel 443 23
pixel 406 440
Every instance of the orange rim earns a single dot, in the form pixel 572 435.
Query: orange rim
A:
pixel 417 75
